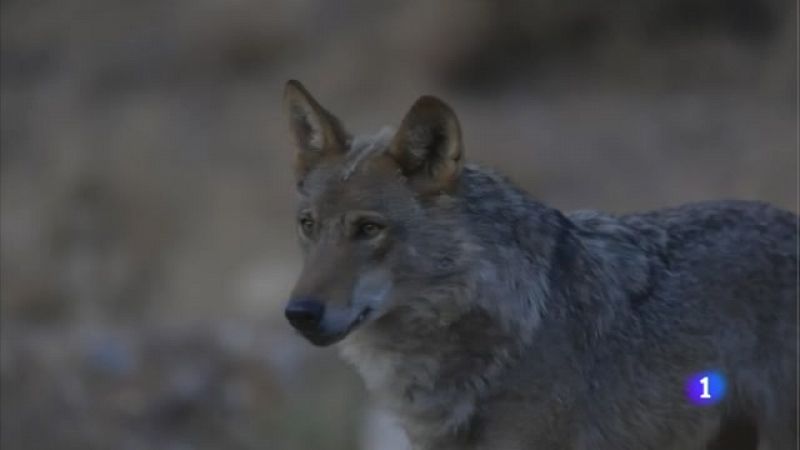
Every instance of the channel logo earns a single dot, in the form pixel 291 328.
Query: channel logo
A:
pixel 706 388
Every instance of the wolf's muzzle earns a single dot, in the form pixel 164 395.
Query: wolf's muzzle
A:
pixel 305 315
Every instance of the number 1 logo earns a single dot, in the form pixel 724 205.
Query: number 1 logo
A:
pixel 705 388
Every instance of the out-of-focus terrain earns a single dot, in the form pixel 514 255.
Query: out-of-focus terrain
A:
pixel 147 223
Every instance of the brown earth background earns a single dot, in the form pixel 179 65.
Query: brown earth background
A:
pixel 147 224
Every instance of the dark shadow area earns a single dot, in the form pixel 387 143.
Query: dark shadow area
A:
pixel 739 433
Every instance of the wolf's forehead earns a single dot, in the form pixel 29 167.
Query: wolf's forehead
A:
pixel 339 181
pixel 362 147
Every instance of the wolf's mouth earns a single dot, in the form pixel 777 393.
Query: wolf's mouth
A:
pixel 362 316
pixel 325 339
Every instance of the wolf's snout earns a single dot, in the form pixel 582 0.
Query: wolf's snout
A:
pixel 305 315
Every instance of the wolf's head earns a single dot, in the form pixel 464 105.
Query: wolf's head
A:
pixel 370 238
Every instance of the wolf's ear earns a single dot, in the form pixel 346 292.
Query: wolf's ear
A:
pixel 428 146
pixel 315 131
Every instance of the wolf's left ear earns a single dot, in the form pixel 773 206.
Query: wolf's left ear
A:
pixel 428 146
pixel 315 131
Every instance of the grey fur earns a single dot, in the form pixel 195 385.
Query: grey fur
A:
pixel 513 326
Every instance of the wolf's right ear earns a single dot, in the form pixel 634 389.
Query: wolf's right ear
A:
pixel 316 132
pixel 428 146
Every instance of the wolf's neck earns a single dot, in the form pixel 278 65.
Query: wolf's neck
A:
pixel 433 380
pixel 432 367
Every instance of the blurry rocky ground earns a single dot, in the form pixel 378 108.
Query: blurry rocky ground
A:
pixel 147 218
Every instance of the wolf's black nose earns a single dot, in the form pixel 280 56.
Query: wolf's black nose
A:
pixel 305 315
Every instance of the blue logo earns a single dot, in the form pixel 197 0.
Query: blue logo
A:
pixel 706 388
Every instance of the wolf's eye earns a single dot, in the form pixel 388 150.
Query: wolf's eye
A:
pixel 307 225
pixel 369 229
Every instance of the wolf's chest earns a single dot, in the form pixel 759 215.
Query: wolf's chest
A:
pixel 375 367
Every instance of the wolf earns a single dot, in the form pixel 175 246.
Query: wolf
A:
pixel 483 319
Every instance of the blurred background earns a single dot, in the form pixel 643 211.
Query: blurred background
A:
pixel 147 225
